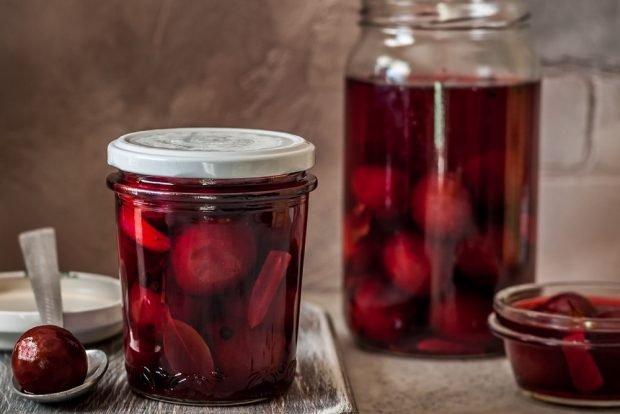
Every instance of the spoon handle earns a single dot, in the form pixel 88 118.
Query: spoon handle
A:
pixel 39 252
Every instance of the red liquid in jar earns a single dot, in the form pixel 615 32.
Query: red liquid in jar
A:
pixel 440 209
pixel 195 330
pixel 590 371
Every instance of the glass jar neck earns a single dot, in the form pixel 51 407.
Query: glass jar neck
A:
pixel 445 14
pixel 216 191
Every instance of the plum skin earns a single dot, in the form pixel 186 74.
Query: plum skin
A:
pixel 48 359
pixel 568 304
pixel 210 256
pixel 407 264
pixel 440 206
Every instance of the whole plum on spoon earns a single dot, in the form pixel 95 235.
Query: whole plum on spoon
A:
pixel 48 359
pixel 49 363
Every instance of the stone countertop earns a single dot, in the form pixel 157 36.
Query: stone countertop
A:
pixel 381 383
pixel 393 384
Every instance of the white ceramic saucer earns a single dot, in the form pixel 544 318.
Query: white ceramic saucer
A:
pixel 92 307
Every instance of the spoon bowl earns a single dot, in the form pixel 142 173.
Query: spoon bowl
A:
pixel 41 259
pixel 97 366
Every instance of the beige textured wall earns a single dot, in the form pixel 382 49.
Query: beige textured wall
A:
pixel 75 74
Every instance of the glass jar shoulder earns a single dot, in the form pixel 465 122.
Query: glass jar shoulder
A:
pixel 404 55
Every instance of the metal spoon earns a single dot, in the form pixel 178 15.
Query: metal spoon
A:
pixel 97 366
pixel 39 252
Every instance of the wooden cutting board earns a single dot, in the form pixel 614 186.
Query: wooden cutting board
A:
pixel 320 386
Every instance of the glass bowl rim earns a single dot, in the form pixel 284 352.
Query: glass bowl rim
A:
pixel 502 306
pixel 506 333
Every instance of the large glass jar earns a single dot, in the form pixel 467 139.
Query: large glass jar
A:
pixel 442 108
pixel 211 232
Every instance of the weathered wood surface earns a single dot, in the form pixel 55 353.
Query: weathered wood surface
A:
pixel 320 386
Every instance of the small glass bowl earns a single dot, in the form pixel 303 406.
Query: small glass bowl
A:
pixel 562 359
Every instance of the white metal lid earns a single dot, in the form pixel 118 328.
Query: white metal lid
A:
pixel 211 153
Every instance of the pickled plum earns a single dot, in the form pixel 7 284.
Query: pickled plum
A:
pixel 485 175
pixel 538 367
pixel 568 304
pixel 141 348
pixel 210 256
pixel 48 359
pixel 148 315
pixel 142 265
pixel 274 229
pixel 186 352
pixel 462 317
pixel 132 223
pixel 229 342
pixel 356 228
pixel 195 310
pixel 383 190
pixel 267 283
pixel 440 206
pixel 407 264
pixel 378 311
pixel 478 257
pixel 263 353
pixel 584 372
pixel 279 317
pixel 263 347
pixel 364 258
pixel 147 310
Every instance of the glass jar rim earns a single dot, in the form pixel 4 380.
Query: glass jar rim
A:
pixel 212 191
pixel 505 298
pixel 446 15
